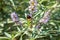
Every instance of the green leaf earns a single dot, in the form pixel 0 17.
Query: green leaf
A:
pixel 18 29
pixel 8 35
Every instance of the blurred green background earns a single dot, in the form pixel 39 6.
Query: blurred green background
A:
pixel 10 31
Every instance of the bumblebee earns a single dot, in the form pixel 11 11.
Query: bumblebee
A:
pixel 29 20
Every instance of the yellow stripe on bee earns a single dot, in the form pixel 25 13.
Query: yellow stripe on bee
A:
pixel 29 22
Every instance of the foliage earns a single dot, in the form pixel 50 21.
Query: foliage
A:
pixel 9 30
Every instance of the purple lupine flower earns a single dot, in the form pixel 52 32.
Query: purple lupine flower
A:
pixel 33 6
pixel 45 18
pixel 14 17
